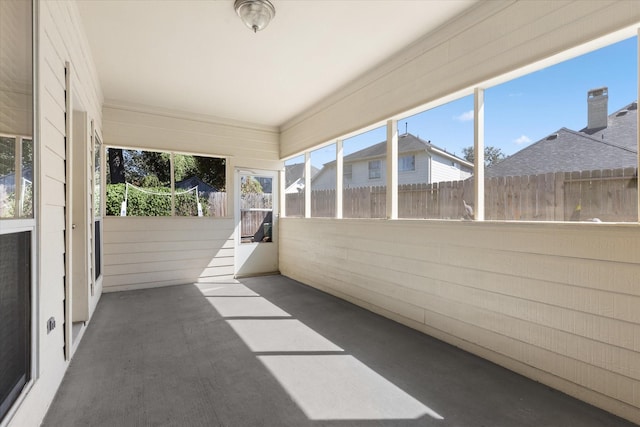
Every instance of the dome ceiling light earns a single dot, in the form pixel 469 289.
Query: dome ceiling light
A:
pixel 256 14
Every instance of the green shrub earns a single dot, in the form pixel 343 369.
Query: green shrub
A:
pixel 140 203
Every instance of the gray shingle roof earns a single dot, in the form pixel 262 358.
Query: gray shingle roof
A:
pixel 567 151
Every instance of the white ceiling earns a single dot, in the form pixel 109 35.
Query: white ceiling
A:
pixel 196 56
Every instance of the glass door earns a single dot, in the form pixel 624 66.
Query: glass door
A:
pixel 256 222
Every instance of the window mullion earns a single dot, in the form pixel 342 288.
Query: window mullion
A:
pixel 173 189
pixel 18 199
pixel 478 114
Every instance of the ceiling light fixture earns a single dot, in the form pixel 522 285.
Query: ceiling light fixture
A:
pixel 256 14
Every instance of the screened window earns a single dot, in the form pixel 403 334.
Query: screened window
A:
pixel 139 183
pixel 560 148
pixel 323 183
pixel 441 174
pixel 407 163
pixel 363 196
pixel 374 169
pixel 294 188
pixel 347 172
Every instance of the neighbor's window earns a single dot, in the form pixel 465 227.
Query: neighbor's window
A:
pixel 139 184
pixel 434 145
pixel 294 186
pixel 323 184
pixel 363 197
pixel 374 169
pixel 347 173
pixel 407 163
pixel 561 143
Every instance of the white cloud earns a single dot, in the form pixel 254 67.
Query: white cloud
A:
pixel 465 117
pixel 524 139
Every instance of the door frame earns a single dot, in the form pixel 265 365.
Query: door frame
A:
pixel 243 251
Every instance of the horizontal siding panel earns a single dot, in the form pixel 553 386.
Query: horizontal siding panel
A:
pixel 53 193
pixel 158 284
pixel 53 140
pixel 168 235
pixel 54 115
pixel 134 135
pixel 147 252
pixel 140 257
pixel 195 264
pixel 131 223
pixel 153 247
pixel 182 275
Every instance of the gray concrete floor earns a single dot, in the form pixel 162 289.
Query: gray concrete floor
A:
pixel 269 351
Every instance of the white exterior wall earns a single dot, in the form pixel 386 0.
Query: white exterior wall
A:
pixel 421 173
pixel 325 179
pixel 141 252
pixel 444 170
pixel 61 39
pixel 559 303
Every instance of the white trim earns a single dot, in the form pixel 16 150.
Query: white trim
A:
pixel 339 178
pixel 478 132
pixel 68 270
pixel 392 169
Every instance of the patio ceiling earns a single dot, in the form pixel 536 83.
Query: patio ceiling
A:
pixel 196 56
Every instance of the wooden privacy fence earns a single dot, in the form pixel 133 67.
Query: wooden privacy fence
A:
pixel 606 195
pixel 255 215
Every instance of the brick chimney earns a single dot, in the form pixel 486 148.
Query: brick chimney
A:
pixel 597 103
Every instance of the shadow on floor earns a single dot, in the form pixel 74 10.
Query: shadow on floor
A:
pixel 270 351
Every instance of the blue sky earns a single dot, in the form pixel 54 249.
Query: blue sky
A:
pixel 521 111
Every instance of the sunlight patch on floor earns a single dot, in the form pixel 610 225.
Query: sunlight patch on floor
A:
pixel 336 387
pixel 324 381
pixel 280 335
pixel 225 289
pixel 246 307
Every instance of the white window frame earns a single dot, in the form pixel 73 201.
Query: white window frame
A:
pixel 375 172
pixel 402 163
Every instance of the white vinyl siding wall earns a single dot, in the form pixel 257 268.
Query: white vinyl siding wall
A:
pixel 143 252
pixel 61 39
pixel 445 169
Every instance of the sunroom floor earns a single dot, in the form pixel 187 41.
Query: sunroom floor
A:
pixel 269 351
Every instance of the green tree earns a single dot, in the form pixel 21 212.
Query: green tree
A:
pixel 492 155
pixel 250 185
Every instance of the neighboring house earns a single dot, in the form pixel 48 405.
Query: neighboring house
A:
pixel 607 142
pixel 419 162
pixel 204 189
pixel 294 177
